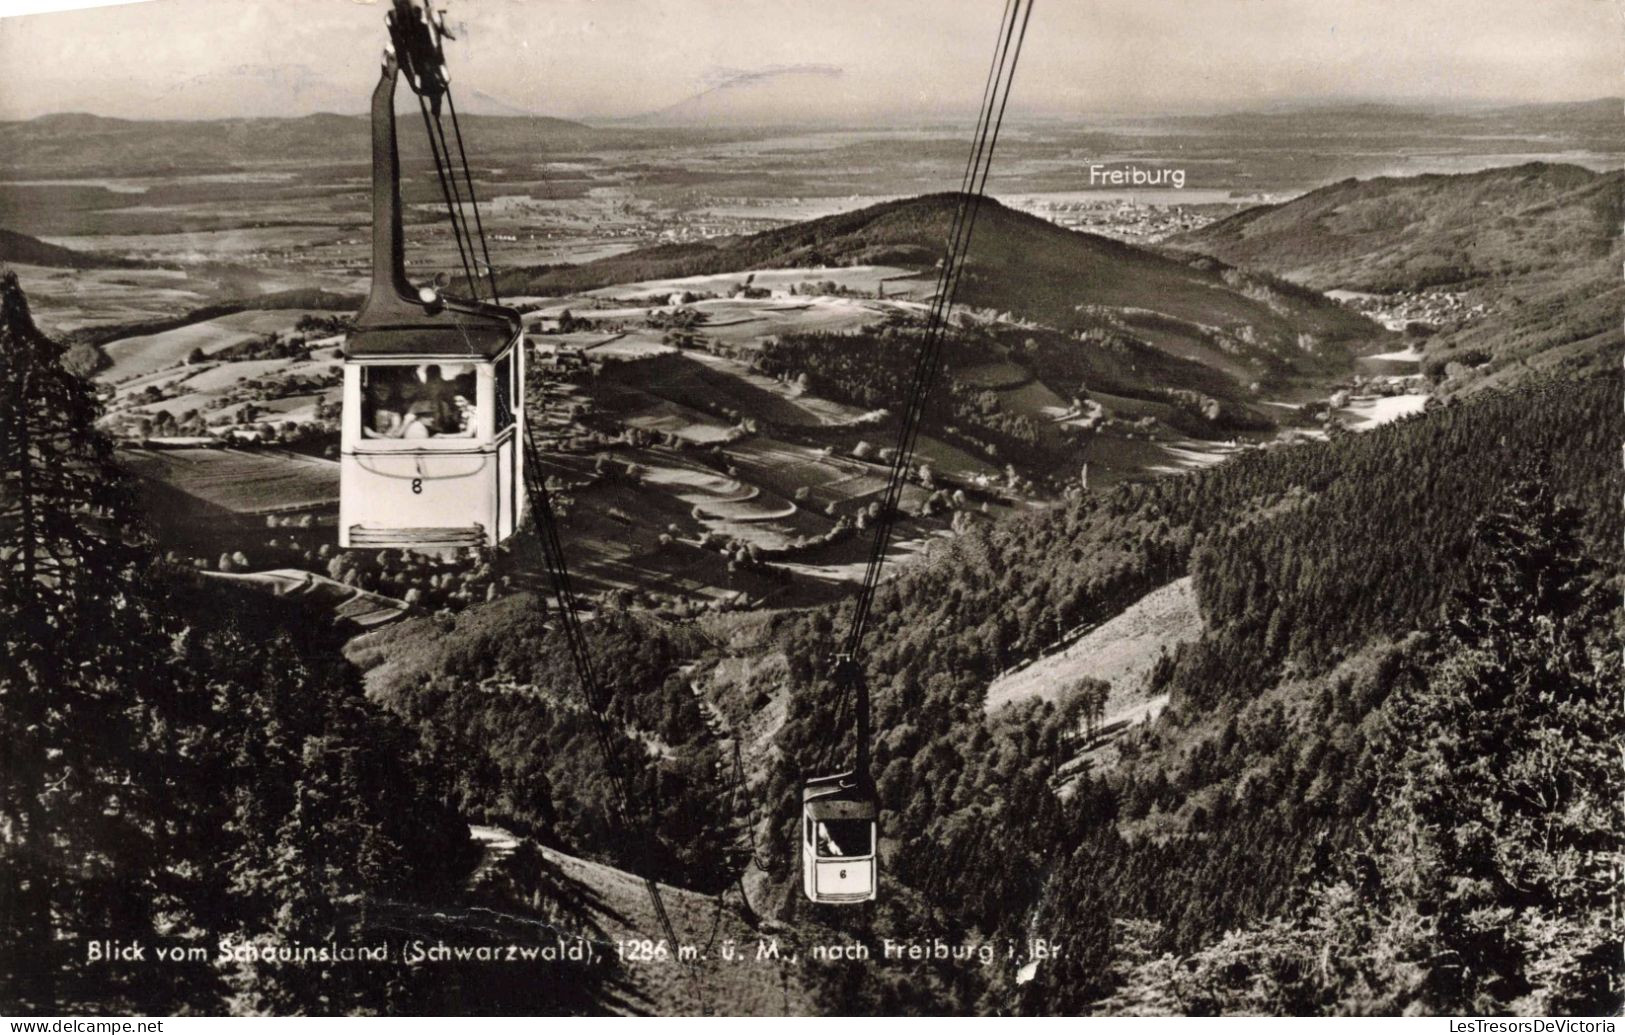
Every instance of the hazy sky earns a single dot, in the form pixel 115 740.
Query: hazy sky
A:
pixel 780 60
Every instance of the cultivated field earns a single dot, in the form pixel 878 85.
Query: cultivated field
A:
pixel 345 603
pixel 239 481
pixel 1374 411
pixel 145 354
pixel 863 279
pixel 64 300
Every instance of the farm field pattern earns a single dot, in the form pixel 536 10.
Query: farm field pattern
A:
pixel 679 461
pixel 690 476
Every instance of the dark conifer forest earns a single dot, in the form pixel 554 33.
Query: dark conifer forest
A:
pixel 1334 581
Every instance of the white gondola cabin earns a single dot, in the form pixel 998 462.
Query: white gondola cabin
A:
pixel 433 395
pixel 840 840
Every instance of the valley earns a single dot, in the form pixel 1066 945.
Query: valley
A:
pixel 1490 275
pixel 703 457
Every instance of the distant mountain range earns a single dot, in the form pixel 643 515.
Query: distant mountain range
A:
pixel 1599 117
pixel 76 143
pixel 740 108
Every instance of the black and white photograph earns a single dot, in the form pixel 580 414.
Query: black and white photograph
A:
pixel 811 508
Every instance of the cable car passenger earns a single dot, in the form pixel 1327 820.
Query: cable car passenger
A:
pixel 844 838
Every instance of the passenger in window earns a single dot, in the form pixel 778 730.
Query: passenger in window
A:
pixel 412 427
pixel 388 416
pixel 465 419
pixel 434 405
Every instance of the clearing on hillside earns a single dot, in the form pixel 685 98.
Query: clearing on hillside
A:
pixel 1120 651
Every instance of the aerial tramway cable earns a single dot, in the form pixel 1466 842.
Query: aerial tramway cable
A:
pixel 490 271
pixel 458 233
pixel 840 843
pixel 995 99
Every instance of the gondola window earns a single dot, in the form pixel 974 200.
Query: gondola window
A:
pixel 432 400
pixel 844 838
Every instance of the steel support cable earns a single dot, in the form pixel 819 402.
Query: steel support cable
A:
pixel 928 356
pixel 490 271
pixel 915 401
pixel 940 307
pixel 459 215
pixel 553 550
pixel 940 310
pixel 838 723
pixel 984 110
pixel 546 527
pixel 928 359
pixel 925 366
pixel 438 26
pixel 987 87
pixel 931 364
pixel 441 170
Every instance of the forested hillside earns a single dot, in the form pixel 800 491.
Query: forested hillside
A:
pixel 1318 567
pixel 1535 248
pixel 862 368
pixel 1481 807
pixel 1331 577
pixel 22 248
pixel 186 766
pixel 497 698
pixel 1403 234
pixel 1561 324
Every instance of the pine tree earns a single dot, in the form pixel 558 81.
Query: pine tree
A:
pixel 179 761
pixel 80 812
pixel 1503 825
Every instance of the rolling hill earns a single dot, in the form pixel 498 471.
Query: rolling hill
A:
pixel 1404 234
pixel 1249 326
pixel 31 251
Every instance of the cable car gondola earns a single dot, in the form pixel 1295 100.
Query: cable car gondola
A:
pixel 840 833
pixel 433 412
pixel 840 824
